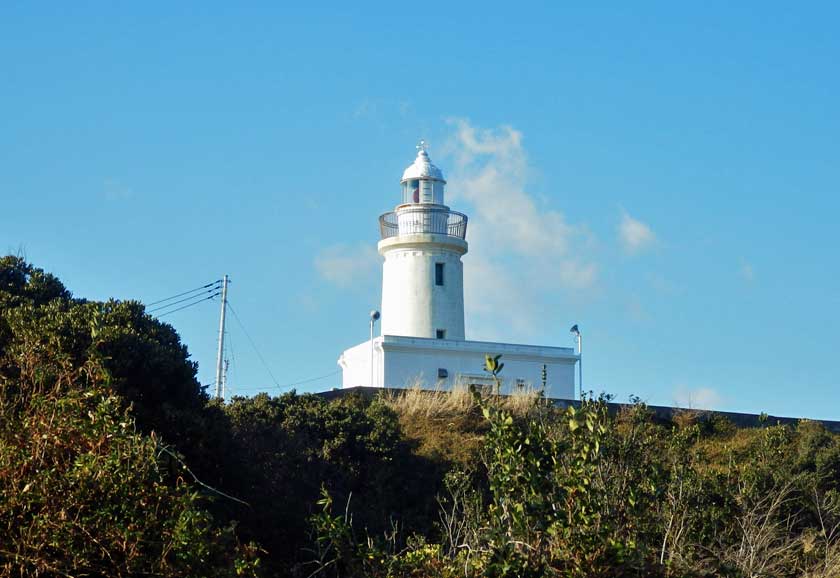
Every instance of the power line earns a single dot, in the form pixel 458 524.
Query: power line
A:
pixel 311 379
pixel 254 345
pixel 301 381
pixel 262 359
pixel 189 304
pixel 182 300
pixel 184 293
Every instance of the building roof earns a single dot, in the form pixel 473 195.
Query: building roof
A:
pixel 422 167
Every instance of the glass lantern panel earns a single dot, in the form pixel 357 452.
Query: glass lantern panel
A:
pixel 438 193
pixel 426 192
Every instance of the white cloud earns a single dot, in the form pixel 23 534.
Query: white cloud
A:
pixel 697 398
pixel 345 265
pixel 635 236
pixel 521 251
pixel 747 272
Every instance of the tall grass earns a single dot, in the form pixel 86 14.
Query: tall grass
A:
pixel 458 400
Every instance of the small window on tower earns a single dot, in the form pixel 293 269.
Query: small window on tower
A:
pixel 439 274
pixel 440 333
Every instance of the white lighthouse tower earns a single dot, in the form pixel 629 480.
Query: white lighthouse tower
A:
pixel 423 340
pixel 422 242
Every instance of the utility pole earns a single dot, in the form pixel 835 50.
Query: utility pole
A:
pixel 224 379
pixel 221 352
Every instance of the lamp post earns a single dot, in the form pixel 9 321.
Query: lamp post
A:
pixel 374 317
pixel 576 332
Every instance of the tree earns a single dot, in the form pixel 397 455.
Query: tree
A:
pixel 82 491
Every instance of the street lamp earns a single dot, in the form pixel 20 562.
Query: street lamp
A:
pixel 576 332
pixel 374 317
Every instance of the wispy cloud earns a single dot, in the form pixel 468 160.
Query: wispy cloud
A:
pixel 697 398
pixel 634 235
pixel 636 310
pixel 380 110
pixel 521 250
pixel 747 272
pixel 663 285
pixel 345 265
pixel 114 190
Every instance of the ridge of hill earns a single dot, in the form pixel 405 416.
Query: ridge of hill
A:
pixel 115 462
pixel 662 413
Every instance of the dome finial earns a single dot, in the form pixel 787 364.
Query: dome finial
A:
pixel 422 146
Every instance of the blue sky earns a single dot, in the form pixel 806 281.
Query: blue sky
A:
pixel 664 175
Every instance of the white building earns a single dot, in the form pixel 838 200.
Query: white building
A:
pixel 423 340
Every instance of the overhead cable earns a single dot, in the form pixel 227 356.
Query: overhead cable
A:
pixel 254 345
pixel 300 381
pixel 183 300
pixel 184 293
pixel 190 304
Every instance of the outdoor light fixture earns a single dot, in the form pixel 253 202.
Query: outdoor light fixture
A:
pixel 374 317
pixel 576 332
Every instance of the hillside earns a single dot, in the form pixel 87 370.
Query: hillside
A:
pixel 115 462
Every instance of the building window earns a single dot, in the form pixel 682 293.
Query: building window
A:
pixel 440 333
pixel 439 274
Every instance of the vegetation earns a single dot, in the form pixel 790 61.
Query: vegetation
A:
pixel 82 491
pixel 114 462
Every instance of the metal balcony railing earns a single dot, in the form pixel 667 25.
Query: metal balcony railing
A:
pixel 419 219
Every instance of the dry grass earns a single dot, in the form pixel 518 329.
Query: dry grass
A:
pixel 417 402
pixel 447 423
pixel 720 453
pixel 439 402
pixel 522 401
pixel 685 418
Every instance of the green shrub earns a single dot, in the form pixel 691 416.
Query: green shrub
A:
pixel 82 492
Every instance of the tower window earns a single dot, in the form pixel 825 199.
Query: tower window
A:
pixel 439 274
pixel 440 333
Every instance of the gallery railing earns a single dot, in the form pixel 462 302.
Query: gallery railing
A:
pixel 419 219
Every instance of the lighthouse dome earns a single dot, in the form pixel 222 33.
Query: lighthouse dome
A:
pixel 422 168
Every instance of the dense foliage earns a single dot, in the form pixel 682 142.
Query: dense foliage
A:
pixel 578 492
pixel 82 492
pixel 114 462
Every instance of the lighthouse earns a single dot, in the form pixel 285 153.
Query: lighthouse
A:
pixel 422 243
pixel 423 340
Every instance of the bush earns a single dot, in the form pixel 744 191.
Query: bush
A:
pixel 82 492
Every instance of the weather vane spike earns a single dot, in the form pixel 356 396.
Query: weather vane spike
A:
pixel 422 146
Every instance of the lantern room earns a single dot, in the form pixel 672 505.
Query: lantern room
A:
pixel 422 182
